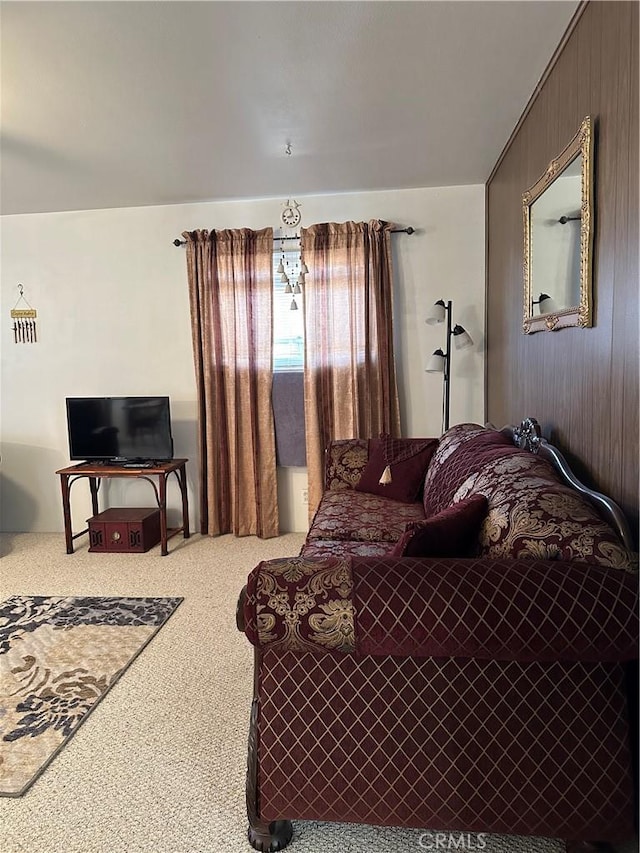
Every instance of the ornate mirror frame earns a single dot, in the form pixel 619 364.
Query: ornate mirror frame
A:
pixel 581 314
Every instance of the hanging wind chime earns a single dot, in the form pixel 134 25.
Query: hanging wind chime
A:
pixel 24 321
pixel 296 271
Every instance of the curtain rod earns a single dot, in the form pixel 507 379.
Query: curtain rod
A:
pixel 409 230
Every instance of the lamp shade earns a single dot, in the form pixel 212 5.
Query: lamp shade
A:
pixel 436 363
pixel 547 305
pixel 437 314
pixel 461 338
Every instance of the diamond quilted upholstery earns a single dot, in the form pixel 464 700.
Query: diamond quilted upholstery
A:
pixel 528 610
pixel 531 749
pixel 361 517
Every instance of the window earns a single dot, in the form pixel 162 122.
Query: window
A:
pixel 288 325
pixel 288 360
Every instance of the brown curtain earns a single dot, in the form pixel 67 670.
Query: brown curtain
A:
pixel 230 292
pixel 350 386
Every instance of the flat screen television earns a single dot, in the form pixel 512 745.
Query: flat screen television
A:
pixel 119 429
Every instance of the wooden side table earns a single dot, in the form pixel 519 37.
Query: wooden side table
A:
pixel 95 472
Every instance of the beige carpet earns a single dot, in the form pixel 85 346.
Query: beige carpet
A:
pixel 159 766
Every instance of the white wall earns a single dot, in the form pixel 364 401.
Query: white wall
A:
pixel 113 319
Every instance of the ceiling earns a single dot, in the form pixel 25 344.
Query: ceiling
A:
pixel 119 104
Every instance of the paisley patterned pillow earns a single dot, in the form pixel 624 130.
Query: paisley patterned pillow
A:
pixel 345 460
pixel 533 515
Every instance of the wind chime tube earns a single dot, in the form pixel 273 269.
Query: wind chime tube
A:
pixel 24 327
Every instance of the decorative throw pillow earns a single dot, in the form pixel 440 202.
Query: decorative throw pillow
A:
pixel 465 453
pixel 396 467
pixel 451 533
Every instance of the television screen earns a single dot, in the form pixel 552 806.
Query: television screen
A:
pixel 120 429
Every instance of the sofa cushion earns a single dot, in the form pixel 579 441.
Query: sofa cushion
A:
pixel 463 450
pixel 407 460
pixel 532 514
pixel 361 517
pixel 451 533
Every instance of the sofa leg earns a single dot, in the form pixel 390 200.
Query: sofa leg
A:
pixel 589 847
pixel 269 837
pixel 266 837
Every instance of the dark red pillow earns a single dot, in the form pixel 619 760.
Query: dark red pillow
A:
pixel 407 475
pixel 451 533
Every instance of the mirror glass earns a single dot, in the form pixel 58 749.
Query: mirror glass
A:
pixel 558 239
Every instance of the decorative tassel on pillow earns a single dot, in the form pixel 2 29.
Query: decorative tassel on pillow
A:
pixel 386 476
pixel 398 450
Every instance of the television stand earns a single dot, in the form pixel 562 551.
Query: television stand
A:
pixel 95 472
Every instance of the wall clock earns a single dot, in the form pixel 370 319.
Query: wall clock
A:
pixel 291 215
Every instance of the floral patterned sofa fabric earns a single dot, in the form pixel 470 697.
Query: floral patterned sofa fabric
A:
pixel 361 517
pixel 353 522
pixel 297 604
pixel 506 610
pixel 345 460
pixel 343 548
pixel 532 514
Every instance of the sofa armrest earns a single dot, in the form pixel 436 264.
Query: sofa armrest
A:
pixel 520 610
pixel 240 624
pixel 344 462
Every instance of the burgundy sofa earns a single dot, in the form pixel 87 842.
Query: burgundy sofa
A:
pixel 479 685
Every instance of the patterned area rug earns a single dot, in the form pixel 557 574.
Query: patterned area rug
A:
pixel 58 658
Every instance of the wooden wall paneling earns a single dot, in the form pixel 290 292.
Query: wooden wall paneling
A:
pixel 581 384
pixel 625 307
pixel 610 188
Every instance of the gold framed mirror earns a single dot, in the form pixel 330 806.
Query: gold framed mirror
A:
pixel 558 240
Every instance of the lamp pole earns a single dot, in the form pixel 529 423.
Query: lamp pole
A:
pixel 440 362
pixel 447 366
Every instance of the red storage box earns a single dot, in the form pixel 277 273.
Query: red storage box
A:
pixel 130 530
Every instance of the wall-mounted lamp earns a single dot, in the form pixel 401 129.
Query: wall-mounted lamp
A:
pixel 440 362
pixel 546 305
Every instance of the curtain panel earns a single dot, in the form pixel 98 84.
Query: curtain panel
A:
pixel 350 388
pixel 230 293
